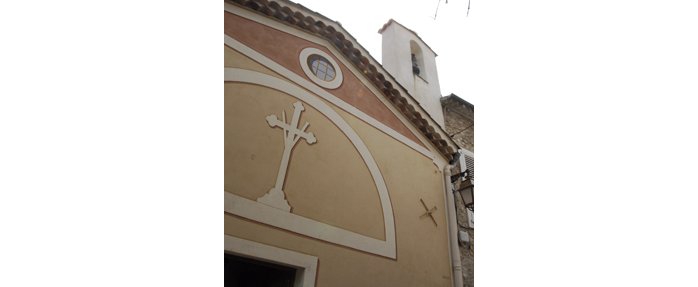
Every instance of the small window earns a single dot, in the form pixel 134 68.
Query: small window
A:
pixel 321 68
pixel 415 65
pixel 418 68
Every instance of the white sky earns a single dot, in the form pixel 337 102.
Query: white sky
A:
pixel 447 35
pixel 584 131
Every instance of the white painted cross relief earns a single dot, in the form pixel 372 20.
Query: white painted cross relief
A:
pixel 280 218
pixel 276 197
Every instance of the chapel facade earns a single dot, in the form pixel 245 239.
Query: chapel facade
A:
pixel 338 169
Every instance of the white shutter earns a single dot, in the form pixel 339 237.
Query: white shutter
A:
pixel 463 167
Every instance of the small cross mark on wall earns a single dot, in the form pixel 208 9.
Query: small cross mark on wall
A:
pixel 428 212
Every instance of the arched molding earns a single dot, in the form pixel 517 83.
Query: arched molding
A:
pixel 318 90
pixel 263 213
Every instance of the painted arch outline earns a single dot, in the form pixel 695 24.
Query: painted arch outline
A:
pixel 265 214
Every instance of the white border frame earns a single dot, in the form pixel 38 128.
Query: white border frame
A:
pixel 306 265
pixel 338 78
pixel 263 213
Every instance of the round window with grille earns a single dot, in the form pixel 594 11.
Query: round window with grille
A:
pixel 320 68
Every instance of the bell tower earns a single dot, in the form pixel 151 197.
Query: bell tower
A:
pixel 413 64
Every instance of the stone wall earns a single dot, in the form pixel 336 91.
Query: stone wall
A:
pixel 466 249
pixel 459 120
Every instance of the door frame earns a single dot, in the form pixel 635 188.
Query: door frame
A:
pixel 305 265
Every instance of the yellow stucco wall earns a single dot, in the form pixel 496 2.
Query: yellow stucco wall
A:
pixel 329 182
pixel 325 181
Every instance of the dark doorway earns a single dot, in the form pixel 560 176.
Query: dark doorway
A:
pixel 246 272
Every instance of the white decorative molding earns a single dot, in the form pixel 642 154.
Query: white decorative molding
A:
pixel 262 213
pixel 303 58
pixel 306 265
pixel 276 197
pixel 275 24
pixel 250 209
pixel 254 55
